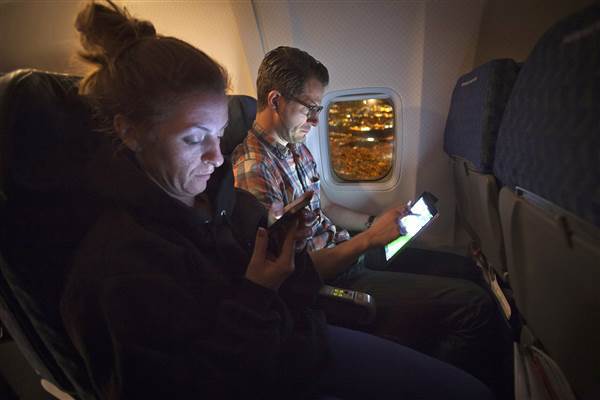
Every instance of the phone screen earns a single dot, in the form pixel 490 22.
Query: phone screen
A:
pixel 279 228
pixel 421 214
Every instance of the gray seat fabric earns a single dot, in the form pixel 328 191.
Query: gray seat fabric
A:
pixel 547 155
pixel 477 207
pixel 477 106
pixel 554 275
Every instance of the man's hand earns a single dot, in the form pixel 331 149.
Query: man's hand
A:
pixel 387 226
pixel 265 271
pixel 308 221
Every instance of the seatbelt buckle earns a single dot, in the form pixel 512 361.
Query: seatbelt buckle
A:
pixel 346 305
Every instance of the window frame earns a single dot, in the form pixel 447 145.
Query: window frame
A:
pixel 391 179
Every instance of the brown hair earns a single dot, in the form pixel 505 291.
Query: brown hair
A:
pixel 138 73
pixel 287 69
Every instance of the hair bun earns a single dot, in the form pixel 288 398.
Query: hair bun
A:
pixel 107 29
pixel 143 28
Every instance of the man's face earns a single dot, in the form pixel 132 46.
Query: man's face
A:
pixel 295 118
pixel 181 152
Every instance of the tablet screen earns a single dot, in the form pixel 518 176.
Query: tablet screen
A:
pixel 413 223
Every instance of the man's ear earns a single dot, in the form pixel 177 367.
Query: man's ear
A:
pixel 125 132
pixel 273 99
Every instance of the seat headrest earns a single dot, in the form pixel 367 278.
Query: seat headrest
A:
pixel 478 102
pixel 242 111
pixel 549 139
pixel 45 128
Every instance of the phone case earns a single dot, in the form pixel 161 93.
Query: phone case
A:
pixel 279 228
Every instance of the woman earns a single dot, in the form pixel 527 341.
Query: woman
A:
pixel 173 294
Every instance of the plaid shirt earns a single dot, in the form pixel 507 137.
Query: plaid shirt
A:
pixel 277 175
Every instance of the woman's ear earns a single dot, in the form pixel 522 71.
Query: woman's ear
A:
pixel 125 132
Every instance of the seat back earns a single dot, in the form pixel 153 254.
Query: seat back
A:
pixel 242 111
pixel 476 109
pixel 45 143
pixel 15 320
pixel 548 157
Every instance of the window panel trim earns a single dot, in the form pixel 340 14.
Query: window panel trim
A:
pixel 328 176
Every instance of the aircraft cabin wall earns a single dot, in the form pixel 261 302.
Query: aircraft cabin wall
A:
pixel 40 34
pixel 510 28
pixel 415 49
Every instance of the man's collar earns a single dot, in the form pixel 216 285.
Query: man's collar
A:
pixel 272 141
pixel 279 140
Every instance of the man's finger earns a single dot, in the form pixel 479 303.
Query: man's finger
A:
pixel 303 233
pixel 309 218
pixel 404 211
pixel 401 228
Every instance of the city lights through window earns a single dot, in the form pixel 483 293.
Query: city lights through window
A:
pixel 361 138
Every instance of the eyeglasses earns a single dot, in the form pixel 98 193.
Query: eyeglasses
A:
pixel 313 111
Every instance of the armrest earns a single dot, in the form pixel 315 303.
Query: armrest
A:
pixel 55 391
pixel 347 307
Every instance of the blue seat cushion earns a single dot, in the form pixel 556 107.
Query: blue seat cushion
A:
pixel 549 139
pixel 478 102
pixel 242 111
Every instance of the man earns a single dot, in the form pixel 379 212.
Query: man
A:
pixel 452 319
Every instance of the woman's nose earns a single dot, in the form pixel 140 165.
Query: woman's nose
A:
pixel 214 155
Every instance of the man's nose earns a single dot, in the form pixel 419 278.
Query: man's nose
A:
pixel 313 120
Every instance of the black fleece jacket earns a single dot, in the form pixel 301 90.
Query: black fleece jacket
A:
pixel 157 303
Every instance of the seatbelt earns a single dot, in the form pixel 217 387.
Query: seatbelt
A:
pixel 491 278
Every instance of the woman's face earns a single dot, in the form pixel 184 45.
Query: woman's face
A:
pixel 182 151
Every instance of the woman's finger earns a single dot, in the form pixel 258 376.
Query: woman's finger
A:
pixel 287 250
pixel 260 246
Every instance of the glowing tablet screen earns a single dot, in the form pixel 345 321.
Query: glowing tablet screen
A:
pixel 413 224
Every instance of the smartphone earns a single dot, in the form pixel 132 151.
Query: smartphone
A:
pixel 279 228
pixel 422 213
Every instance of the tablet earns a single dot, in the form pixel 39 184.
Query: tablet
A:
pixel 422 212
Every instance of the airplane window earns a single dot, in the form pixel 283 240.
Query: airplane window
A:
pixel 361 138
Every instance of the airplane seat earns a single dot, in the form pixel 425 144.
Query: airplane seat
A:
pixel 43 215
pixel 547 156
pixel 242 111
pixel 476 109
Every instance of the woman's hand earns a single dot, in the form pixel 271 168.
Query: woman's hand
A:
pixel 268 272
pixel 387 226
